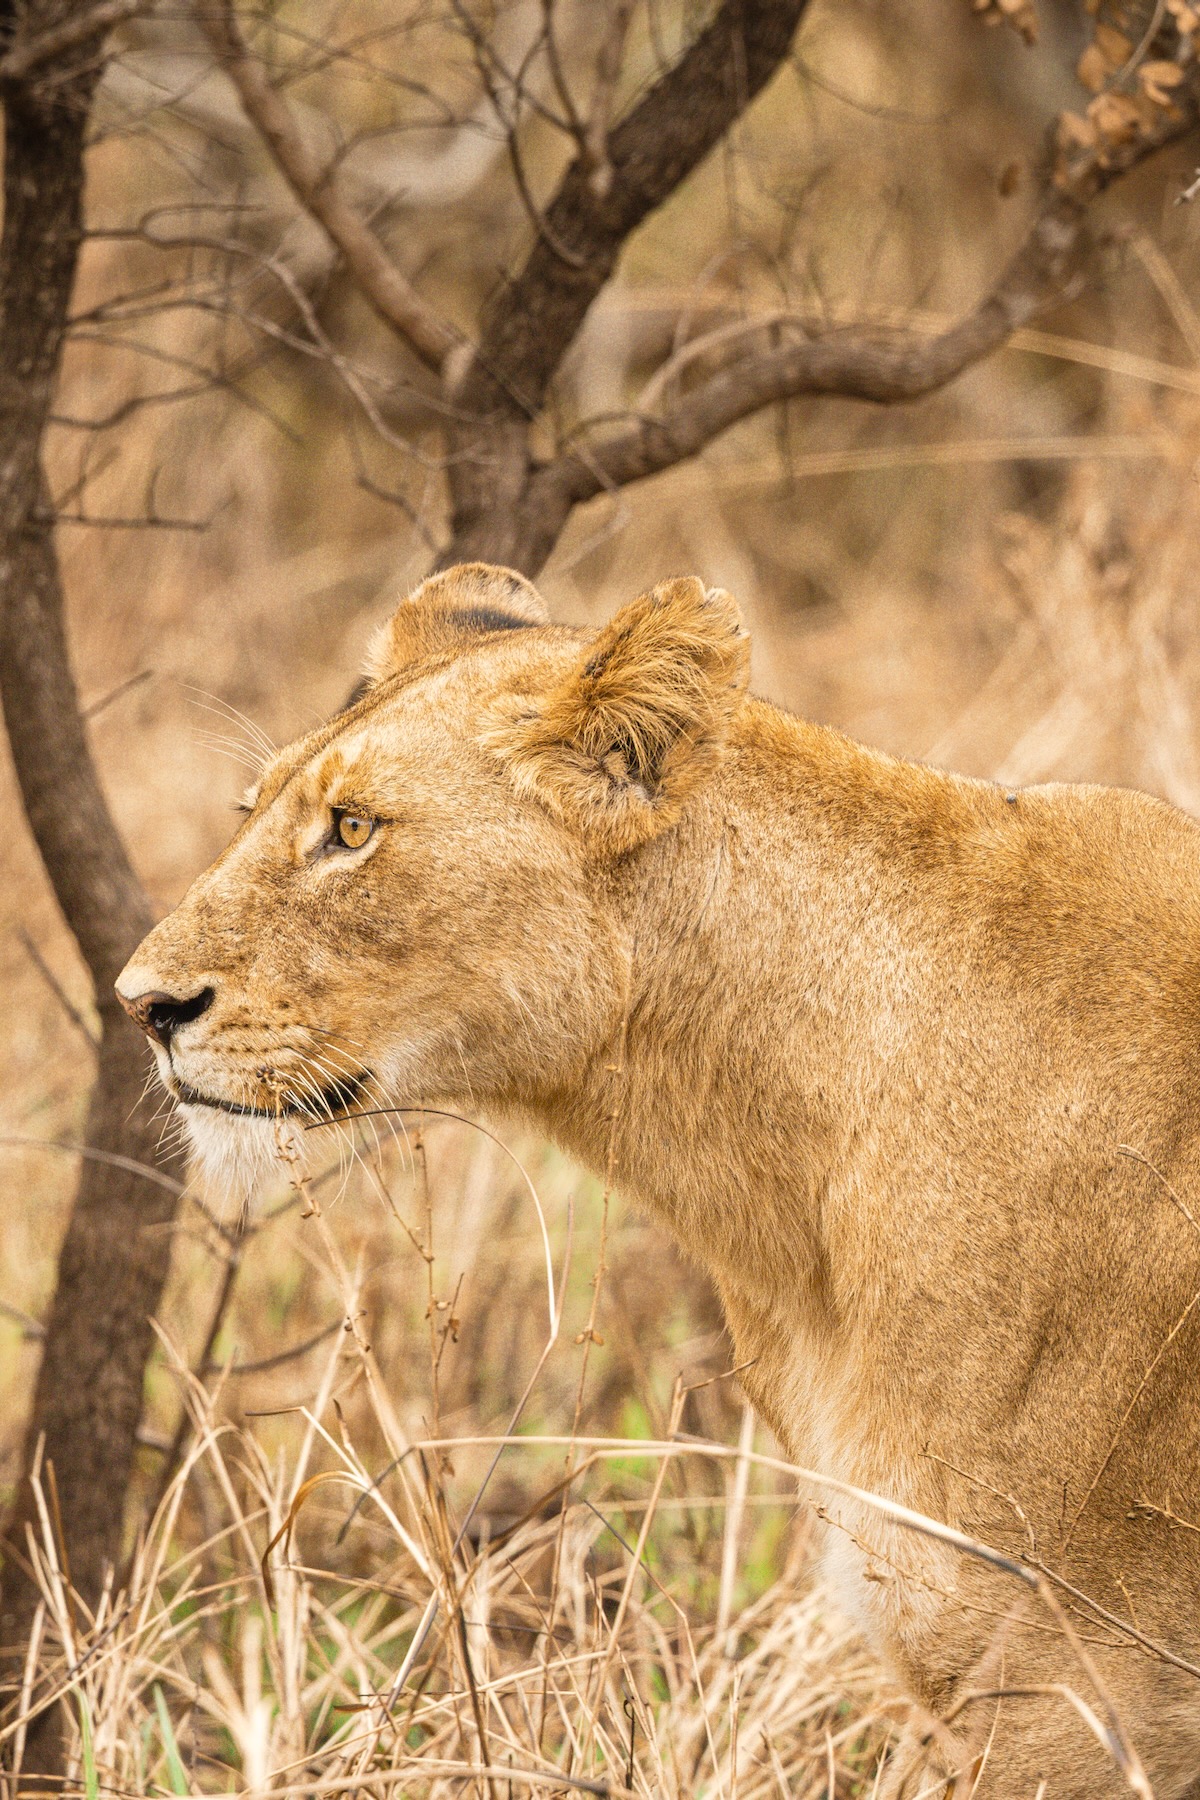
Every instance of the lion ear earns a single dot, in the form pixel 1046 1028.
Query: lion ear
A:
pixel 640 722
pixel 448 609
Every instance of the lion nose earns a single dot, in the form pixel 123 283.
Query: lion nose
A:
pixel 160 1015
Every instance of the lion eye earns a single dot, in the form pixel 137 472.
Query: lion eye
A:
pixel 351 831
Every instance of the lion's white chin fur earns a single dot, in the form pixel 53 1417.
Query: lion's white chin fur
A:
pixel 237 1155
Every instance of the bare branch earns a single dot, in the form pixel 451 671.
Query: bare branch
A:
pixel 532 321
pixel 57 40
pixel 882 365
pixel 317 344
pixel 32 1330
pixel 123 522
pixel 321 193
pixel 95 707
pixel 56 987
pixel 562 86
pixel 509 89
pixel 265 1363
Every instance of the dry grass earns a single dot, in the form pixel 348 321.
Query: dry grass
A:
pixel 381 1602
pixel 514 1685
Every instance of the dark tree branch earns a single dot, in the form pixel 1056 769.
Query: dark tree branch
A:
pixel 70 1010
pixel 532 321
pixel 886 366
pixel 84 856
pixel 878 364
pixel 321 192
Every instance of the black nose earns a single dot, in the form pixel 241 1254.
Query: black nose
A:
pixel 161 1015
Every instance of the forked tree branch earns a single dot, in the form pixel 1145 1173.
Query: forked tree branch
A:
pixel 532 321
pixel 855 363
pixel 322 193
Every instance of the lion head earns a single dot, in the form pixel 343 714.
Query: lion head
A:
pixel 423 901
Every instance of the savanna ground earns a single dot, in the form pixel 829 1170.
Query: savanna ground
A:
pixel 1000 579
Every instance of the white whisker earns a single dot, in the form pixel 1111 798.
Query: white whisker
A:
pixel 223 709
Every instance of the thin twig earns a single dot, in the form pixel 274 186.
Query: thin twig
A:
pixel 608 73
pixel 321 192
pixel 94 708
pixel 56 988
pixel 111 1157
pixel 263 1364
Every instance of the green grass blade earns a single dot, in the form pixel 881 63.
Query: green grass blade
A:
pixel 91 1780
pixel 175 1768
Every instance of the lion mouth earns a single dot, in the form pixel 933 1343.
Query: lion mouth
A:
pixel 329 1104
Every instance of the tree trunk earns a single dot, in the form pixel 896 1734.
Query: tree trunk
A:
pixel 114 1260
pixel 88 1398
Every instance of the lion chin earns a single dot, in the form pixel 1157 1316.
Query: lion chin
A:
pixel 239 1156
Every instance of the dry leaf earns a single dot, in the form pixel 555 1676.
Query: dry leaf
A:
pixel 1115 117
pixel 1018 13
pixel 1075 132
pixel 1157 79
pixel 1092 70
pixel 1114 46
pixel 1010 180
pixel 1162 74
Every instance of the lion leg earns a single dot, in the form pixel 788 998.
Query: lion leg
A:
pixel 1015 1734
pixel 925 1762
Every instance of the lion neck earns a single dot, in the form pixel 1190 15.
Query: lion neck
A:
pixel 759 1027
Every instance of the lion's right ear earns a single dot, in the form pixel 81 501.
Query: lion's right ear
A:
pixel 461 603
pixel 639 723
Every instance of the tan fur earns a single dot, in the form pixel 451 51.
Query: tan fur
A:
pixel 651 707
pixel 446 610
pixel 888 1031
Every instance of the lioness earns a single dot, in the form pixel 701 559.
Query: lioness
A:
pixel 911 1064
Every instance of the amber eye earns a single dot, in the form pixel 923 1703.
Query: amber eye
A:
pixel 351 831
